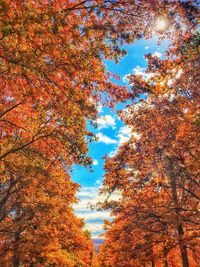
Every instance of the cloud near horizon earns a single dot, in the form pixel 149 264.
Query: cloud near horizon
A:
pixel 94 219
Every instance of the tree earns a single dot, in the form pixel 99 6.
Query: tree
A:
pixel 51 54
pixel 42 228
pixel 157 170
pixel 45 66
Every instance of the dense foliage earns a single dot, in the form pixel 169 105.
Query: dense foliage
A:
pixel 52 78
pixel 156 220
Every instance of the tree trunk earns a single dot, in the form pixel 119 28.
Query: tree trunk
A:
pixel 183 247
pixel 165 263
pixel 173 175
pixel 15 252
pixel 15 260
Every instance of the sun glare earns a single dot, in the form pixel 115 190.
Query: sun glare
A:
pixel 161 24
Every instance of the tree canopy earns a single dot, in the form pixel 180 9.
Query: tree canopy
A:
pixel 156 172
pixel 52 79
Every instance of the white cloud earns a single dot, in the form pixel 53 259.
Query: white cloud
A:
pixel 125 79
pixel 113 153
pixel 93 218
pixel 105 139
pixel 98 237
pixel 93 215
pixel 90 196
pixel 141 71
pixel 87 196
pixel 94 227
pixel 95 162
pixel 138 70
pixel 146 47
pixel 106 122
pixel 157 54
pixel 124 134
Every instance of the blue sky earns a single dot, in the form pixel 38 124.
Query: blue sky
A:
pixel 111 132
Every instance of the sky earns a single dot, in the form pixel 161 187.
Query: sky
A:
pixel 111 133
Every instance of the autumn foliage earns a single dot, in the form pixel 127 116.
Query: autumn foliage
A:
pixel 156 221
pixel 52 79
